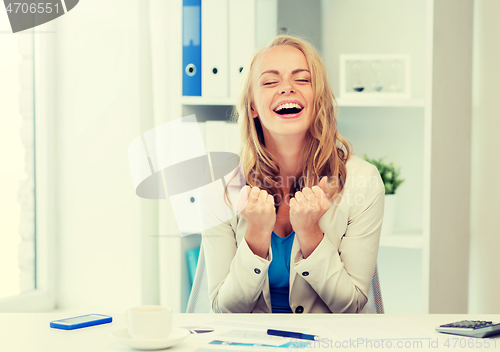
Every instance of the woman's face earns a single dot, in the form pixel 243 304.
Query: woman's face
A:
pixel 282 92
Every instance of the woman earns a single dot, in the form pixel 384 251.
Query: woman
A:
pixel 295 244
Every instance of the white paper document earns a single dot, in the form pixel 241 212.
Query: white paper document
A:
pixel 237 336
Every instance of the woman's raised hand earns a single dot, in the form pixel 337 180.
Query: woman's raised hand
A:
pixel 306 209
pixel 257 208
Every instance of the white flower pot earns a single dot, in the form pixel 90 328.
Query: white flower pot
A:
pixel 389 214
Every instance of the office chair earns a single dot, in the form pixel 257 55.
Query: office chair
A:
pixel 200 303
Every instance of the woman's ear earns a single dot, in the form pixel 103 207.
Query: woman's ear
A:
pixel 254 113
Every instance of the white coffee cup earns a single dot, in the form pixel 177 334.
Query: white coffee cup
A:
pixel 149 322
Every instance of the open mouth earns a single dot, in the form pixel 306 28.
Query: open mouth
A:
pixel 288 109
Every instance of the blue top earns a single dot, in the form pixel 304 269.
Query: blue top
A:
pixel 279 272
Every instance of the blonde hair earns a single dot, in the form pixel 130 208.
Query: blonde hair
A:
pixel 322 156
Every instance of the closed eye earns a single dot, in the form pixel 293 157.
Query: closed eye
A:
pixel 303 80
pixel 269 83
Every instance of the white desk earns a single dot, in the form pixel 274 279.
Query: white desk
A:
pixel 20 332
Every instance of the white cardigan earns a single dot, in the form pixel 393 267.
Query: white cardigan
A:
pixel 335 278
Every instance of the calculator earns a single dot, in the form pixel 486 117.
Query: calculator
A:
pixel 472 328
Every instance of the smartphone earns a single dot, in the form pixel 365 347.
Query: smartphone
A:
pixel 80 322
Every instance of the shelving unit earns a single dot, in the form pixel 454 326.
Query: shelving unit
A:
pixel 425 261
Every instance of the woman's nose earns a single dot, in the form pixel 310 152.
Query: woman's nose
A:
pixel 286 88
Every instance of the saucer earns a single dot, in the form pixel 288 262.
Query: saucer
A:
pixel 176 336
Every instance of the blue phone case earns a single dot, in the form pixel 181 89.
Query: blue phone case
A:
pixel 93 319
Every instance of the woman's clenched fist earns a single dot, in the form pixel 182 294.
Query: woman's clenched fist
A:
pixel 308 206
pixel 257 208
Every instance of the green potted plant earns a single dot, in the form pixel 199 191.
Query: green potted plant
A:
pixel 390 176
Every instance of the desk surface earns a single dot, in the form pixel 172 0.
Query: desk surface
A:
pixel 31 331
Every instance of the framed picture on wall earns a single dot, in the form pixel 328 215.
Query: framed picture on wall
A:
pixel 372 76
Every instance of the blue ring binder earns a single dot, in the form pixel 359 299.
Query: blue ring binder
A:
pixel 191 47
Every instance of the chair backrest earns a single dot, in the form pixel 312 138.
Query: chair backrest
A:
pixel 374 304
pixel 199 301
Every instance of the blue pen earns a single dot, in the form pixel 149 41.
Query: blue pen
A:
pixel 293 335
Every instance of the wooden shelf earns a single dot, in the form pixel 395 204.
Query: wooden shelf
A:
pixel 208 101
pixel 413 239
pixel 381 102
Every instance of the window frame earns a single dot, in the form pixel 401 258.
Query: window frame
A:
pixel 43 298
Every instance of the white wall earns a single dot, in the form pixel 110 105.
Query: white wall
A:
pixel 12 168
pixel 104 102
pixel 484 283
pixel 302 18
